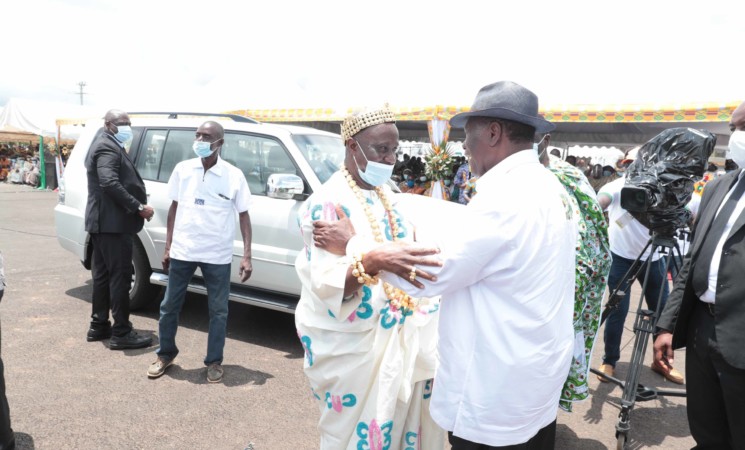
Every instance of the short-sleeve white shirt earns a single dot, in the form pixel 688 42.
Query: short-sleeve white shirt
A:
pixel 627 235
pixel 204 228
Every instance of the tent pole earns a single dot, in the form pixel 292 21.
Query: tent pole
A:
pixel 42 169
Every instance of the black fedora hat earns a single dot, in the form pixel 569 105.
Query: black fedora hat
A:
pixel 505 100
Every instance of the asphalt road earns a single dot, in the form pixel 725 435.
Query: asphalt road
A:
pixel 66 393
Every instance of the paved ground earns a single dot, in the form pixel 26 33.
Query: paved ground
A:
pixel 66 393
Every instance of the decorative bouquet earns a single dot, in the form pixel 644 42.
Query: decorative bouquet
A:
pixel 439 162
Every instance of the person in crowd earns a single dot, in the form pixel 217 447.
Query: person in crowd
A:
pixel 15 176
pixel 116 210
pixel 462 175
pixel 407 183
pixel 571 159
pixel 706 312
pixel 206 194
pixel 591 270
pixel 730 165
pixel 7 438
pixel 470 189
pixel 555 153
pixel 480 394
pixel 628 237
pixel 369 347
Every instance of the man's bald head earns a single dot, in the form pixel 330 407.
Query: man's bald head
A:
pixel 114 119
pixel 113 115
pixel 215 129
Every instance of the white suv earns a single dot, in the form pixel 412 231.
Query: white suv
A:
pixel 283 165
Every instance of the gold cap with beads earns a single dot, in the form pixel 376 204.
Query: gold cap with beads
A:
pixel 357 122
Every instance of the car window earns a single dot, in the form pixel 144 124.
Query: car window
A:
pixel 325 154
pixel 258 157
pixel 177 148
pixel 148 162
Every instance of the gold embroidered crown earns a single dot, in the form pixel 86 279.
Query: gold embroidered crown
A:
pixel 364 119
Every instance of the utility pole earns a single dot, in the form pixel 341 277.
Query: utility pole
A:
pixel 82 85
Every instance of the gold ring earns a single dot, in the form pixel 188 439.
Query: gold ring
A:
pixel 412 274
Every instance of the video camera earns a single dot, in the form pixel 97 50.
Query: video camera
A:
pixel 659 183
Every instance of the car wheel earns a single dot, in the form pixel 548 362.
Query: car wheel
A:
pixel 141 292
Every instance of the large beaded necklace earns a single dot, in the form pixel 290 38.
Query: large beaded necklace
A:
pixel 397 299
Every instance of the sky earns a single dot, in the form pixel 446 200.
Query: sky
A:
pixel 222 55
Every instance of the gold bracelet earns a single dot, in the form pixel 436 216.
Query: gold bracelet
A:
pixel 358 270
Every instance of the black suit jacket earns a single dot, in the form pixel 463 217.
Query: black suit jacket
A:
pixel 730 299
pixel 115 189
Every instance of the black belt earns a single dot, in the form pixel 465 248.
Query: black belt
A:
pixel 708 307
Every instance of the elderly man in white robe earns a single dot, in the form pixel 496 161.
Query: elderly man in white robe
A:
pixel 506 335
pixel 369 347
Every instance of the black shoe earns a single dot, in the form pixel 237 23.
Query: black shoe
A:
pixel 129 340
pixel 98 334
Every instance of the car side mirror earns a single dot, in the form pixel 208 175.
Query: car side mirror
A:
pixel 285 186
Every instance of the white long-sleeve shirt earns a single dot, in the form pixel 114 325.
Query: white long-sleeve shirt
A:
pixel 507 285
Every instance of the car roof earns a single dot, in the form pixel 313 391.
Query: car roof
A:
pixel 263 128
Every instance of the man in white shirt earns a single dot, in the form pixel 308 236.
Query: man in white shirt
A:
pixel 206 192
pixel 628 237
pixel 507 285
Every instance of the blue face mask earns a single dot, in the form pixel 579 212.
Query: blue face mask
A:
pixel 202 148
pixel 124 133
pixel 375 174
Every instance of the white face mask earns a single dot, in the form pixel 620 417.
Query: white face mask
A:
pixel 737 147
pixel 375 174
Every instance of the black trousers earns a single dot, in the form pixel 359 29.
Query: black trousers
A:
pixel 543 440
pixel 112 277
pixel 715 389
pixel 7 439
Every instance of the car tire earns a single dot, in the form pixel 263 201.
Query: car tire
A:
pixel 141 292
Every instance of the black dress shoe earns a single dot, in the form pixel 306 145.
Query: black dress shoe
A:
pixel 98 334
pixel 129 340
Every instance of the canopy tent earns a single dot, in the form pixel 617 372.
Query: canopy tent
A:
pixel 39 118
pixel 620 125
pixel 605 156
pixel 29 118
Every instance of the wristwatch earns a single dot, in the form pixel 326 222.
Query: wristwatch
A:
pixel 141 207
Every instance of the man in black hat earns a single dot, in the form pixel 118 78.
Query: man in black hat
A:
pixel 500 378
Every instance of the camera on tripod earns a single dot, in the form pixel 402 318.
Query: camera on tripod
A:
pixel 659 183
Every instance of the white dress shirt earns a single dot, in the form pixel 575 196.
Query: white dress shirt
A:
pixel 507 285
pixel 204 228
pixel 711 293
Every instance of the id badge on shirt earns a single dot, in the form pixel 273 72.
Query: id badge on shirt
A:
pixel 624 220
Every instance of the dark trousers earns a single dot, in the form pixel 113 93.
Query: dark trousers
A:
pixel 543 440
pixel 7 440
pixel 715 389
pixel 112 278
pixel 656 286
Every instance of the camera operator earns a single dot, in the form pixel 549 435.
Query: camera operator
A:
pixel 628 237
pixel 706 311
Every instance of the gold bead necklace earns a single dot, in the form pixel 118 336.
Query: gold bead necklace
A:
pixel 398 299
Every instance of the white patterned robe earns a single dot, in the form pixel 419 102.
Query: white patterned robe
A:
pixel 370 369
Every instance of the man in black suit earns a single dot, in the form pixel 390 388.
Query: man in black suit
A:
pixel 115 211
pixel 706 309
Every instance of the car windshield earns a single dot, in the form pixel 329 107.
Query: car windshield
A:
pixel 325 154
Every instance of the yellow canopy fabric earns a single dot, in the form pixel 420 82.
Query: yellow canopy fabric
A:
pixel 576 113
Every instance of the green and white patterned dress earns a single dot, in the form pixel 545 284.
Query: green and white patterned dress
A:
pixel 593 265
